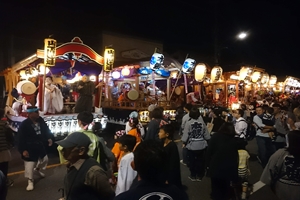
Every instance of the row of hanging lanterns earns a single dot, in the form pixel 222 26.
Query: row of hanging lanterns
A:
pixel 248 75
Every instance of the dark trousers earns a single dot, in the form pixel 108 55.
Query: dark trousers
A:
pixel 279 145
pixel 185 155
pixel 265 149
pixel 220 189
pixel 4 168
pixel 196 163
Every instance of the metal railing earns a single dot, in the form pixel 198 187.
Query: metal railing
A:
pixel 137 105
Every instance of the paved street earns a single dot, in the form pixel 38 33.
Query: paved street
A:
pixel 47 188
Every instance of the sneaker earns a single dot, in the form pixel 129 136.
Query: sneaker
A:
pixel 40 173
pixel 181 161
pixel 30 185
pixel 192 178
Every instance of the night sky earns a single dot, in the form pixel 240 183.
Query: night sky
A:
pixel 189 26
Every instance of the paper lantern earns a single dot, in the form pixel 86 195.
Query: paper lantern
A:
pixel 109 58
pixel 42 69
pixel 22 73
pixel 234 77
pixel 216 73
pixel 188 65
pixel 273 80
pixel 200 72
pixel 245 74
pixel 49 51
pixel 256 77
pixel 265 78
pixel 125 71
pixel 156 61
pixel 115 74
pixel 235 106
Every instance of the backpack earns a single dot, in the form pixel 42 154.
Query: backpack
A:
pixel 250 132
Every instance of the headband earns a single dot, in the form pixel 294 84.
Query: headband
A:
pixel 31 110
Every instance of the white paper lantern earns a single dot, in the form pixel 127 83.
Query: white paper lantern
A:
pixel 273 80
pixel 200 72
pixel 115 74
pixel 256 76
pixel 245 74
pixel 125 71
pixel 42 69
pixel 188 65
pixel 265 78
pixel 216 74
pixel 156 61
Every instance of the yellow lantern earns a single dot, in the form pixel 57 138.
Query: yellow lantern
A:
pixel 265 78
pixel 273 80
pixel 200 72
pixel 41 69
pixel 216 73
pixel 125 71
pixel 49 51
pixel 109 57
pixel 256 76
pixel 245 74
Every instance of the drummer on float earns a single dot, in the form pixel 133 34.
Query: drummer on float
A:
pixel 115 91
pixel 193 97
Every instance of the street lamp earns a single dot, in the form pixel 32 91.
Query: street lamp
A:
pixel 242 35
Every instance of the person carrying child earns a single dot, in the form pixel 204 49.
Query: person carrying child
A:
pixel 268 119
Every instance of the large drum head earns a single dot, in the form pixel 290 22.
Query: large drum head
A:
pixel 26 87
pixel 133 95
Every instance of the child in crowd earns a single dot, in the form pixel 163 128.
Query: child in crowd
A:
pixel 243 169
pixel 126 174
pixel 166 134
pixel 116 148
pixel 269 120
pixel 135 130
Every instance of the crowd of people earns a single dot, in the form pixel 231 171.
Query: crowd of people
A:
pixel 145 161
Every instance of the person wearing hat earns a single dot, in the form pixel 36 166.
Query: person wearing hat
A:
pixel 84 120
pixel 85 178
pixel 193 97
pixel 282 172
pixel 33 138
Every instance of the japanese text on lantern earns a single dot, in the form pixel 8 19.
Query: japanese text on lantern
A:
pixel 49 52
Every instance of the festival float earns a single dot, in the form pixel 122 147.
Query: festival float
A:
pixel 142 86
pixel 70 61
